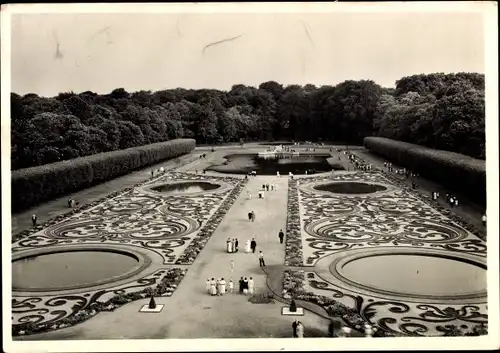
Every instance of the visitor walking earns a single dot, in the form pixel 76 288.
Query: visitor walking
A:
pixel 33 220
pixel 236 245
pixel 247 247
pixel 231 286
pixel 232 266
pixel 253 245
pixel 245 286
pixel 300 330
pixel 294 328
pixel 222 286
pixel 281 235
pixel 251 286
pixel 261 260
pixel 249 216
pixel 213 287
pixel 241 285
pixel 484 220
pixel 207 286
pixel 218 286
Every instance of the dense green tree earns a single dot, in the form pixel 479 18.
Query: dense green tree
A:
pixel 438 110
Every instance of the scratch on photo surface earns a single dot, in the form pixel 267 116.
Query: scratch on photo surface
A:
pixel 104 30
pixel 308 35
pixel 220 42
pixel 177 28
pixel 58 54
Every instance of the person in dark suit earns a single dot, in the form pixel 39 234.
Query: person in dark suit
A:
pixel 281 235
pixel 241 285
pixel 253 245
pixel 294 327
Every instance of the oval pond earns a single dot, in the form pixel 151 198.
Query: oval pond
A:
pixel 59 270
pixel 417 274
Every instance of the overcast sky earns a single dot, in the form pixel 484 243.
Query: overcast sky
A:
pixel 54 53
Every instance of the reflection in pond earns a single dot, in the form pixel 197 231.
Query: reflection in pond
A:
pixel 70 268
pixel 188 187
pixel 269 165
pixel 350 188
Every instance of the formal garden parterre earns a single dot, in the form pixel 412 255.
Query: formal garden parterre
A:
pixel 162 230
pixel 337 229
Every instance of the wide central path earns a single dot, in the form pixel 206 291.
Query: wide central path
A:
pixel 192 313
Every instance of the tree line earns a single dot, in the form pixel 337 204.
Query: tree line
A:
pixel 443 111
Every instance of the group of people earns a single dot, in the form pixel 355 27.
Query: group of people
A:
pixel 232 245
pixel 219 287
pixel 298 329
pixel 72 203
pixel 452 200
pixel 158 171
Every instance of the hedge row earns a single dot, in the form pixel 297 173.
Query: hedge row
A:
pixel 31 186
pixel 456 171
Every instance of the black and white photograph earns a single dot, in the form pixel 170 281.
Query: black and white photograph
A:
pixel 248 176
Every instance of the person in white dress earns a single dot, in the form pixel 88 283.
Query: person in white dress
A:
pixel 207 286
pixel 300 330
pixel 231 286
pixel 245 286
pixel 232 265
pixel 247 247
pixel 229 246
pixel 218 287
pixel 222 286
pixel 251 286
pixel 213 287
pixel 278 174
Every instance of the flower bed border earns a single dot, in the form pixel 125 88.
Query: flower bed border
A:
pixel 480 233
pixel 462 222
pixel 293 247
pixel 27 232
pixel 168 284
pixel 293 286
pixel 196 245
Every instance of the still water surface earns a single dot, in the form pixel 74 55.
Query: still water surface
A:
pixel 72 268
pixel 423 275
pixel 191 187
pixel 245 163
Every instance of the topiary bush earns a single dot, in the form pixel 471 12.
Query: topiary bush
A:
pixel 31 186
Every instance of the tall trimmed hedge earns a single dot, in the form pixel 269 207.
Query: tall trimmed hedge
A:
pixel 456 171
pixel 31 186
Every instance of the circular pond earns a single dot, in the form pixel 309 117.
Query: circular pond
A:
pixel 416 275
pixel 186 187
pixel 350 188
pixel 70 269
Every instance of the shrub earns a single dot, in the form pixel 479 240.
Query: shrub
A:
pixel 456 171
pixel 31 186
